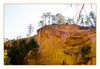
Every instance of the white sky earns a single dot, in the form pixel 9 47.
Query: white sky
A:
pixel 17 17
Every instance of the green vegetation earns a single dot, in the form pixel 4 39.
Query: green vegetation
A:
pixel 6 58
pixel 70 20
pixel 56 19
pixel 84 20
pixel 17 53
pixel 85 50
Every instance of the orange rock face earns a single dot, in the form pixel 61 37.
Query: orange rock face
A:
pixel 54 40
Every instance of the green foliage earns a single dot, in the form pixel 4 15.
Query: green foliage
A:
pixel 32 44
pixel 70 20
pixel 22 42
pixel 49 16
pixel 85 50
pixel 56 19
pixel 17 53
pixel 60 18
pixel 41 23
pixel 92 14
pixel 14 43
pixel 44 16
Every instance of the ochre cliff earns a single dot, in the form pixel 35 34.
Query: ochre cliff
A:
pixel 61 44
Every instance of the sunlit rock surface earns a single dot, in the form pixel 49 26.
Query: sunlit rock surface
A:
pixel 59 44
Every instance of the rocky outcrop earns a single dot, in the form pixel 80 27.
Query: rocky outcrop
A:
pixel 61 44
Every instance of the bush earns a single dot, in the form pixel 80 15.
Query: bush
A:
pixel 85 50
pixel 17 53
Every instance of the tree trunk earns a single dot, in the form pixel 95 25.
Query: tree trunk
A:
pixel 80 12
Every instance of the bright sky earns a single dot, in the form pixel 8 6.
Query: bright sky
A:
pixel 17 17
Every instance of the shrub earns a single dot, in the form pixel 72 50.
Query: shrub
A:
pixel 18 53
pixel 85 50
